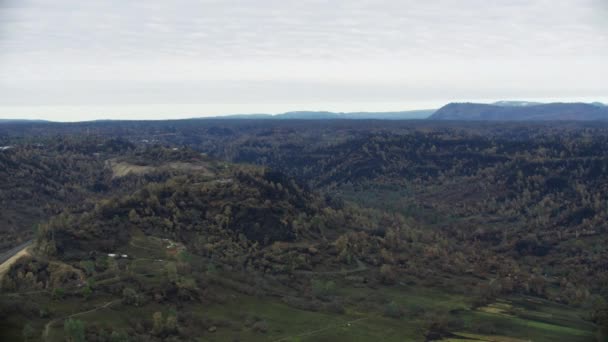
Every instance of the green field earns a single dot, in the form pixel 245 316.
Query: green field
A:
pixel 235 316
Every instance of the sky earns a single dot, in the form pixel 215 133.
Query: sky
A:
pixel 74 60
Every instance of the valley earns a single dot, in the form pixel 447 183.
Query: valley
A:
pixel 260 230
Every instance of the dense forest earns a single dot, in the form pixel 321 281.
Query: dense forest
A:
pixel 272 230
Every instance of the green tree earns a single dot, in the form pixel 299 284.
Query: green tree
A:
pixel 133 216
pixel 171 271
pixel 86 292
pixel 323 290
pixel 130 296
pixel 58 293
pixel 184 261
pixel 393 310
pixel 88 266
pixel 112 265
pixel 387 274
pixel 184 257
pixel 101 263
pixel 118 337
pixel 158 323
pixel 74 330
pixel 28 332
pixel 601 318
pixel 171 323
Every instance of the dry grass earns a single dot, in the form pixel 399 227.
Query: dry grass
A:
pixel 8 263
pixel 497 308
pixel 122 169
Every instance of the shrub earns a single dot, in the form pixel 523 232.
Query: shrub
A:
pixel 260 326
pixel 171 324
pixel 28 332
pixel 58 293
pixel 440 324
pixel 388 275
pixel 393 310
pixel 130 297
pixel 88 266
pixel 335 307
pixel 302 304
pixel 323 290
pixel 158 323
pixel 86 292
pixel 74 330
pixel 119 337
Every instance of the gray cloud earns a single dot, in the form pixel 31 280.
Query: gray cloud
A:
pixel 428 48
pixel 243 29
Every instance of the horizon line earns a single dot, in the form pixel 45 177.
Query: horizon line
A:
pixel 149 115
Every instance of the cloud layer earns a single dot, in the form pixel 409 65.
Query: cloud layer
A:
pixel 68 52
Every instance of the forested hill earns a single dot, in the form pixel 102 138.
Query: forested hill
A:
pixel 431 228
pixel 532 112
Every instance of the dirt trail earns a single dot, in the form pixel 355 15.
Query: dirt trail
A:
pixel 47 327
pixel 313 332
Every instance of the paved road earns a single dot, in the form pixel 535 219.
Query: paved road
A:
pixel 8 254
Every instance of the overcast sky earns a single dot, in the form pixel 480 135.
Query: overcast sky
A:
pixel 79 60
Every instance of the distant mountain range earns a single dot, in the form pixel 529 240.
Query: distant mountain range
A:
pixel 522 111
pixel 497 111
pixel 323 115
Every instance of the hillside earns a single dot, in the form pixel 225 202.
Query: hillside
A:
pixel 528 112
pixel 38 180
pixel 43 178
pixel 192 209
pixel 416 230
pixel 170 249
